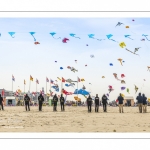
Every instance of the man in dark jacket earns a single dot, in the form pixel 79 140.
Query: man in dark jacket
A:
pixel 140 102
pixel 55 100
pixel 144 103
pixel 27 100
pixel 40 99
pixel 96 103
pixel 62 101
pixel 1 102
pixel 120 101
pixel 89 102
pixel 104 101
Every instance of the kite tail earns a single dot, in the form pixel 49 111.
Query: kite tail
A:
pixel 34 38
pixel 147 38
pixel 78 37
pixel 57 38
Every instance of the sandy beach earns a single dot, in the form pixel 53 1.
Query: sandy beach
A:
pixel 74 119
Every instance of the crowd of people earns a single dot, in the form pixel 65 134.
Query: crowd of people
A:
pixel 141 99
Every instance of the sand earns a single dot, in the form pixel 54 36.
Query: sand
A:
pixel 74 119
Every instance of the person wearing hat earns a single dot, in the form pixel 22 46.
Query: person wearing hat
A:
pixel 96 103
pixel 41 100
pixel 1 102
pixel 62 101
pixel 27 100
pixel 140 102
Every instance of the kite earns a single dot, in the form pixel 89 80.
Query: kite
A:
pixel 92 56
pixel 115 75
pixel 87 45
pixel 145 37
pixel 55 61
pixel 107 95
pixel 73 69
pixel 61 68
pixel 36 43
pixel 123 82
pixel 127 26
pixel 81 91
pixel 90 83
pixel 148 68
pixel 128 90
pixel 82 80
pixel 119 24
pixel 56 88
pixel 65 40
pixel 85 65
pixel 103 76
pixel 132 52
pixel 111 64
pixel 32 35
pixel 122 75
pixel 122 44
pixel 142 39
pixel 109 36
pixel 75 61
pixel 123 61
pixel 136 89
pixel 132 19
pixel 69 67
pixel 120 61
pixel 71 84
pixel 92 37
pixel 73 35
pixel 122 95
pixel 144 80
pixel 83 87
pixel 69 80
pixel 11 34
pixel 123 88
pixel 127 36
pixel 66 93
pixel 76 98
pixel 52 34
pixel 136 49
pixel 110 89
pixel 58 78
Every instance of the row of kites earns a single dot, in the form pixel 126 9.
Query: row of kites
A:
pixel 92 36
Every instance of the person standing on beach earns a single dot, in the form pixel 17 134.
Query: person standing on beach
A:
pixel 41 100
pixel 144 103
pixel 140 102
pixel 89 102
pixel 55 100
pixel 104 101
pixel 120 100
pixel 62 101
pixel 1 102
pixel 27 100
pixel 96 103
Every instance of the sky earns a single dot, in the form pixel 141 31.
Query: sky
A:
pixel 22 58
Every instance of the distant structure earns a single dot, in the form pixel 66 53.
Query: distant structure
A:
pixel 128 101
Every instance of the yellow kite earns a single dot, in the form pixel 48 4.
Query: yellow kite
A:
pixel 122 45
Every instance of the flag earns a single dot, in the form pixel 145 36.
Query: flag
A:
pixel 78 79
pixel 3 92
pixel 13 78
pixel 58 78
pixel 63 80
pixel 37 81
pixel 51 81
pixel 31 78
pixel 47 80
pixel 24 81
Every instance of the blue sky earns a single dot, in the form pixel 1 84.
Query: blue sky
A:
pixel 20 57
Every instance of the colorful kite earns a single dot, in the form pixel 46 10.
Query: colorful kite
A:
pixel 122 75
pixel 119 24
pixel 36 43
pixel 73 35
pixel 123 82
pixel 11 34
pixel 65 40
pixel 110 89
pixel 120 60
pixel 82 80
pixel 109 36
pixel 115 75
pixel 136 89
pixel 123 88
pixel 111 64
pixel 52 34
pixel 32 33
pixel 81 91
pixel 122 44
pixel 127 26
pixel 128 36
pixel 128 90
pixel 61 68
pixel 56 88
pixel 92 37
